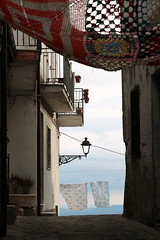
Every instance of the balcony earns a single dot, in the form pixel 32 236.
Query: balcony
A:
pixel 74 118
pixel 28 48
pixel 56 77
pixel 57 82
pixel 24 42
pixel 24 67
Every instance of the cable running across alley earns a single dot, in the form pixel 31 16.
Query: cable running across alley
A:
pixel 102 148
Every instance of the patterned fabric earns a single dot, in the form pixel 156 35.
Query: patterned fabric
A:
pixel 91 31
pixel 100 191
pixel 110 49
pixel 149 31
pixel 108 16
pixel 75 195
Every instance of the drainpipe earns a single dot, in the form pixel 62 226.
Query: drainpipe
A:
pixel 38 134
pixel 3 133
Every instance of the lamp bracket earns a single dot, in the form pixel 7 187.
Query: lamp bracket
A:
pixel 64 159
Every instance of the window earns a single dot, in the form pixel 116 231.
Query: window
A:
pixel 135 123
pixel 48 148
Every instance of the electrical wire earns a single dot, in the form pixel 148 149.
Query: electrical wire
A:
pixel 71 137
pixel 106 149
pixel 102 148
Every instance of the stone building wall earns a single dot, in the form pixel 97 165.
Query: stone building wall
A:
pixel 141 99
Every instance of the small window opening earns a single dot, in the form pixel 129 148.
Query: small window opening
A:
pixel 135 123
pixel 48 148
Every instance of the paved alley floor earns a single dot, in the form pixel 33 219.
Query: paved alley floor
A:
pixel 111 227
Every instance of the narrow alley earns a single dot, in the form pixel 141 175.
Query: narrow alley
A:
pixel 111 227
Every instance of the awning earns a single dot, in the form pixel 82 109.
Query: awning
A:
pixel 107 34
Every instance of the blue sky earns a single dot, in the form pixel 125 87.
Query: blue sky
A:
pixel 103 127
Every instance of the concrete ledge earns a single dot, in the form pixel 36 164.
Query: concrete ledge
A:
pixel 48 213
pixel 22 200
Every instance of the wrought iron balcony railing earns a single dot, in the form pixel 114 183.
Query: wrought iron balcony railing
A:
pixel 24 41
pixel 78 103
pixel 56 70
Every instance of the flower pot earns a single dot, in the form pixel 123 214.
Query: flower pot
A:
pixel 86 99
pixel 85 94
pixel 78 78
pixel 79 110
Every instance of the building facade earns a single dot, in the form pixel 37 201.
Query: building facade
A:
pixel 40 97
pixel 7 52
pixel 141 118
pixel 40 94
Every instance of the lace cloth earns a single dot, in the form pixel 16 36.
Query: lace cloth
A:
pixel 75 195
pixel 100 191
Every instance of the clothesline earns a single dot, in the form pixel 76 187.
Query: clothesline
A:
pixel 88 182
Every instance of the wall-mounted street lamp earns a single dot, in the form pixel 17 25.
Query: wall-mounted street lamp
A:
pixel 86 146
pixel 63 159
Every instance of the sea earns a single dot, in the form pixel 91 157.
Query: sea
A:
pixel 114 209
pixel 116 192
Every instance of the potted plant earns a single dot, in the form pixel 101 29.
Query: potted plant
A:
pixel 86 99
pixel 20 184
pixel 79 110
pixel 26 184
pixel 85 92
pixel 15 182
pixel 78 78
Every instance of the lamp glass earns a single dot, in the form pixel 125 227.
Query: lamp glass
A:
pixel 86 146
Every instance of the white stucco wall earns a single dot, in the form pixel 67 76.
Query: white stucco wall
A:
pixel 51 177
pixel 22 145
pixel 22 132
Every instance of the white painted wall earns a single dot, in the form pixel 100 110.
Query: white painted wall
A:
pixel 22 132
pixel 22 145
pixel 51 177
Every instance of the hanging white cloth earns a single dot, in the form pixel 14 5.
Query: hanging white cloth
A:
pixel 100 191
pixel 75 195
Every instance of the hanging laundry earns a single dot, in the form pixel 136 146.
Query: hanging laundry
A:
pixel 100 191
pixel 75 195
